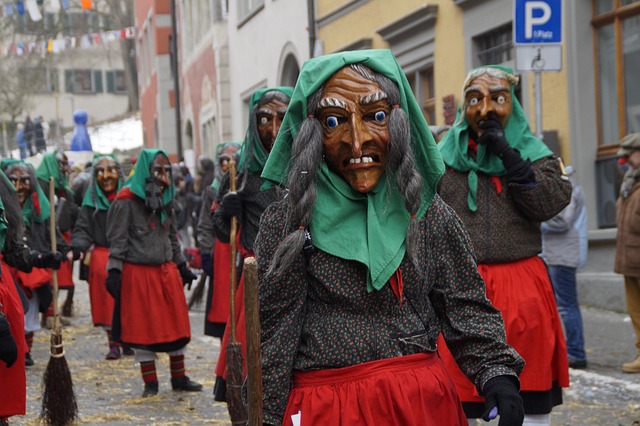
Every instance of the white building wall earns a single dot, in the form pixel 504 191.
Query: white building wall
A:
pixel 256 45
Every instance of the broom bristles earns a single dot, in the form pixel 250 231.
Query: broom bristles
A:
pixel 198 292
pixel 59 405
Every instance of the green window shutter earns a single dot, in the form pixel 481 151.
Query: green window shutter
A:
pixel 55 84
pixel 111 86
pixel 97 81
pixel 68 81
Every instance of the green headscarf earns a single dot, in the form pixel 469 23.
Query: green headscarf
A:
pixel 367 227
pixel 37 205
pixel 252 145
pixel 136 182
pixel 221 147
pixel 455 144
pixel 50 168
pixel 100 198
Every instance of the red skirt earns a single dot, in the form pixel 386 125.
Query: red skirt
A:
pixel 523 293
pixel 31 280
pixel 219 310
pixel 13 380
pixel 101 301
pixel 414 390
pixel 65 273
pixel 153 308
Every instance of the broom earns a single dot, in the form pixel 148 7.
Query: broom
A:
pixel 59 406
pixel 198 292
pixel 254 359
pixel 235 364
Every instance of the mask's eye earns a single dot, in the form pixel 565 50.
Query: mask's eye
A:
pixel 501 99
pixel 331 122
pixel 26 181
pixel 113 170
pixel 380 116
pixel 473 101
pixel 99 172
pixel 264 120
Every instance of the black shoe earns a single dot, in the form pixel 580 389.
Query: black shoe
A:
pixel 150 389
pixel 28 361
pixel 185 384
pixel 579 364
pixel 126 350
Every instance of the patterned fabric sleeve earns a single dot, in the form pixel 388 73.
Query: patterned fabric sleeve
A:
pixel 548 197
pixel 471 325
pixel 118 220
pixel 81 237
pixel 281 314
pixel 206 234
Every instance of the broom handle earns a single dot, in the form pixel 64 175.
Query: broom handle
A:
pixel 232 243
pixel 54 245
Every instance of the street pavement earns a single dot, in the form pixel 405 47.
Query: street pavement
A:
pixel 108 392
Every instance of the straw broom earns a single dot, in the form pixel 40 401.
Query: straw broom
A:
pixel 59 406
pixel 254 359
pixel 235 364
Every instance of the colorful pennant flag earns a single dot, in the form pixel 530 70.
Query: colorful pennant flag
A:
pixel 34 10
pixel 86 4
pixel 8 9
pixel 20 7
pixel 65 4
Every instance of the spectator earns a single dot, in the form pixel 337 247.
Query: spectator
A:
pixel 22 144
pixel 627 249
pixel 38 135
pixel 564 249
pixel 28 135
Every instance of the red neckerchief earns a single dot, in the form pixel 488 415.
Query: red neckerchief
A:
pixel 396 284
pixel 125 194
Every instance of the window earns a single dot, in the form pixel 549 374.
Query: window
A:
pixel 421 83
pixel 41 80
pixel 209 137
pixel 116 82
pixel 616 24
pixel 494 47
pixel 220 10
pixel 83 81
pixel 247 7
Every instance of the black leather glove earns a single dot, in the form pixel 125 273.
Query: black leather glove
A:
pixel 504 392
pixel 231 204
pixel 77 253
pixel 206 261
pixel 46 259
pixel 8 347
pixel 114 282
pixel 186 274
pixel 518 169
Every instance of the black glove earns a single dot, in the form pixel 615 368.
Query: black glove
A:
pixel 186 274
pixel 503 392
pixel 76 252
pixel 114 282
pixel 46 259
pixel 206 261
pixel 231 204
pixel 518 169
pixel 8 347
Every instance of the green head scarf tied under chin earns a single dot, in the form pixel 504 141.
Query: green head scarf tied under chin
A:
pixel 455 144
pixel 141 171
pixel 36 207
pixel 94 197
pixel 221 147
pixel 253 156
pixel 50 168
pixel 367 227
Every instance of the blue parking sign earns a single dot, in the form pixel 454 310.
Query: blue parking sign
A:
pixel 537 21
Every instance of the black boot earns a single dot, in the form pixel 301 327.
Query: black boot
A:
pixel 150 389
pixel 185 384
pixel 28 361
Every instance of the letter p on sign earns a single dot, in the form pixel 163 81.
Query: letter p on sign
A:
pixel 532 16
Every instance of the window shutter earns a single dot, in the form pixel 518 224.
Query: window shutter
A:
pixel 68 81
pixel 97 81
pixel 110 82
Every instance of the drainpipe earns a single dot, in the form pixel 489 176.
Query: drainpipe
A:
pixel 173 46
pixel 311 12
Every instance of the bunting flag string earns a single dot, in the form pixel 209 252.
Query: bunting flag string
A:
pixel 33 9
pixel 60 44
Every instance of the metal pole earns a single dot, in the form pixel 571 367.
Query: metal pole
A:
pixel 538 65
pixel 311 25
pixel 5 143
pixel 176 78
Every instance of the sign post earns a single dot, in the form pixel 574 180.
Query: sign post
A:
pixel 537 28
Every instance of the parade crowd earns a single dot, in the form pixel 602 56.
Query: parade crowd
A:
pixel 407 275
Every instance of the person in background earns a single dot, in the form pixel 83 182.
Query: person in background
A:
pixel 362 265
pixel 20 142
pixel 38 135
pixel 34 274
pixel 627 260
pixel 28 135
pixel 214 254
pixel 147 271
pixel 90 233
pixel 564 250
pixel 503 182
pixel 247 203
